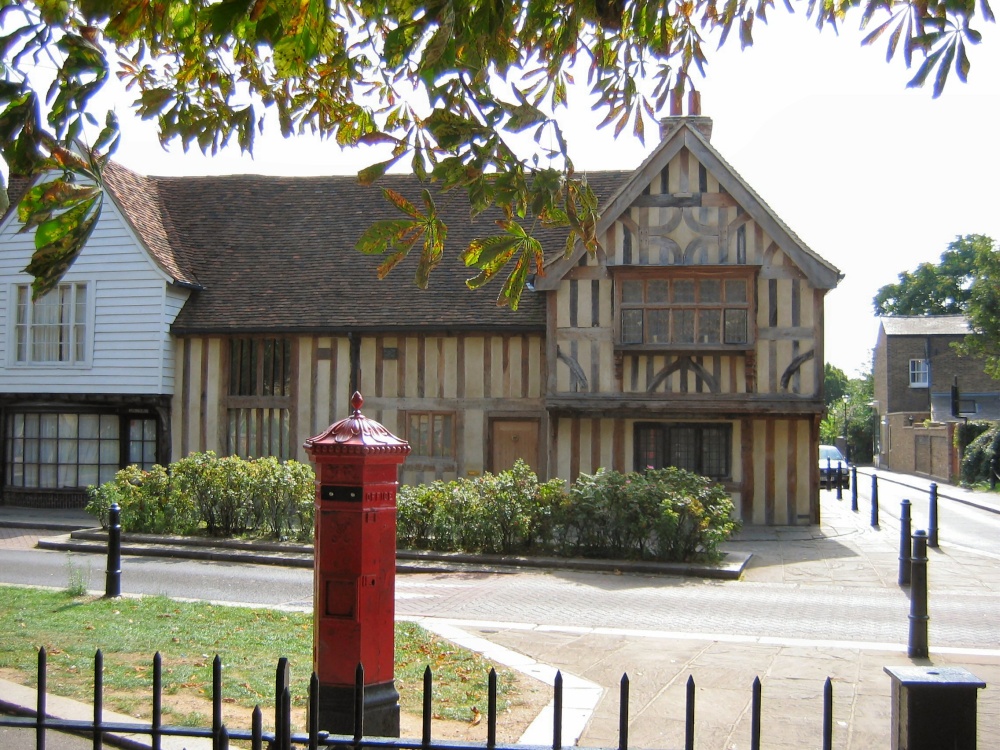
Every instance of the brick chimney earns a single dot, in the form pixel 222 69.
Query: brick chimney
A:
pixel 694 117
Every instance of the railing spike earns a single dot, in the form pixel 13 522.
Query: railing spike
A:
pixel 97 736
pixel 755 715
pixel 257 729
pixel 157 721
pixel 491 710
pixel 557 715
pixel 689 715
pixel 313 711
pixel 623 713
pixel 359 704
pixel 217 701
pixel 428 695
pixel 828 715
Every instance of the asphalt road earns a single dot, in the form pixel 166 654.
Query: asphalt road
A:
pixel 564 599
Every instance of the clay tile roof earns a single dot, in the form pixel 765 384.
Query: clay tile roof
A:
pixel 139 199
pixel 276 254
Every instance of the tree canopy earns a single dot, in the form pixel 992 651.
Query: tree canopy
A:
pixel 983 308
pixel 449 85
pixel 941 289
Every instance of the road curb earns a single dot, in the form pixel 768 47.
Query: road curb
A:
pixel 94 541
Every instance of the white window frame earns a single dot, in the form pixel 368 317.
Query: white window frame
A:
pixel 81 332
pixel 918 368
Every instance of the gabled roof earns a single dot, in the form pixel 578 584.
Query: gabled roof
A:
pixel 276 254
pixel 140 202
pixel 684 133
pixel 925 325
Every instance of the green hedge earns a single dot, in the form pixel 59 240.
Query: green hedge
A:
pixel 666 515
pixel 981 452
pixel 226 496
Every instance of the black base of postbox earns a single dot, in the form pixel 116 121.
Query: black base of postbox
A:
pixel 381 709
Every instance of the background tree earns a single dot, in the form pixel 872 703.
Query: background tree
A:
pixel 850 411
pixel 448 84
pixel 941 289
pixel 983 309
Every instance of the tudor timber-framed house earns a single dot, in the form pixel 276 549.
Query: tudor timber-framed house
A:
pixel 694 338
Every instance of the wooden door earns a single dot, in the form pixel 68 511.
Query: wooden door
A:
pixel 511 439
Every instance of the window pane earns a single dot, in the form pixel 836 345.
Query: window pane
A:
pixel 658 326
pixel 684 290
pixel 736 290
pixel 109 427
pixel 657 290
pixel 714 452
pixel 683 453
pixel 709 326
pixel 631 291
pixel 87 475
pixel 710 291
pixel 736 326
pixel 631 326
pixel 649 442
pixel 683 326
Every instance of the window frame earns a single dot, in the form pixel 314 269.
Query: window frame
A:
pixel 671 275
pixel 258 409
pixel 925 368
pixel 78 329
pixel 67 445
pixel 667 430
pixel 447 454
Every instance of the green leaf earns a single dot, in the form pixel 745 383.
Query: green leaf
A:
pixel 52 259
pixel 382 235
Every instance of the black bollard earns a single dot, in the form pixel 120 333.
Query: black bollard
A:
pixel 904 543
pixel 113 579
pixel 917 648
pixel 854 488
pixel 840 483
pixel 829 474
pixel 932 521
pixel 874 501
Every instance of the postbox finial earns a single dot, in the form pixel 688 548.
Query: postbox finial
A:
pixel 357 401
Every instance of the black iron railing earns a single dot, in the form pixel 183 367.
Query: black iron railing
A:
pixel 283 738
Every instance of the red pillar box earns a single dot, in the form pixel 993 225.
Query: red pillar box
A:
pixel 354 579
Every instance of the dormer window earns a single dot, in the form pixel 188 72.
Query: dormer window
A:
pixel 684 308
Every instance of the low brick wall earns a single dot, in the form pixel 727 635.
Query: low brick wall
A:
pixel 927 450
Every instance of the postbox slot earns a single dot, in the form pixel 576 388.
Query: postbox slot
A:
pixel 339 494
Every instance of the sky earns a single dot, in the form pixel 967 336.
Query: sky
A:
pixel 874 177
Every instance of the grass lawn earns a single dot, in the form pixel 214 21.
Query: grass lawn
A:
pixel 129 631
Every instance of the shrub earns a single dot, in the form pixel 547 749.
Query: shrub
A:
pixel 228 495
pixel 980 455
pixel 505 513
pixel 149 502
pixel 667 514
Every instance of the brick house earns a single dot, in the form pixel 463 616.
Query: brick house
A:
pixel 914 369
pixel 232 314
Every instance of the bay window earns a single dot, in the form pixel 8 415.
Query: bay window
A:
pixel 684 308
